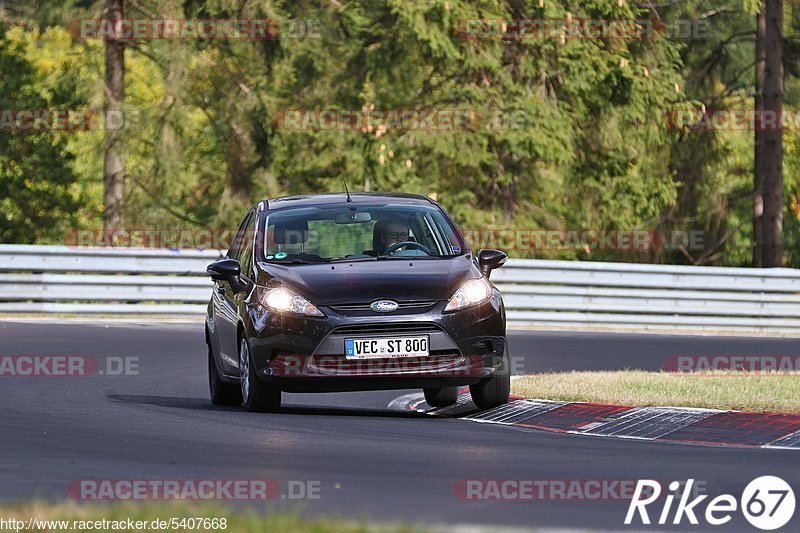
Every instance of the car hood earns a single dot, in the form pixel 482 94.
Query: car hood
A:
pixel 365 281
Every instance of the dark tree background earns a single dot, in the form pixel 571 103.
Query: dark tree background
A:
pixel 575 133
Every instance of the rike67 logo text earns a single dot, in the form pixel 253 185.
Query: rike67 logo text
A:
pixel 767 503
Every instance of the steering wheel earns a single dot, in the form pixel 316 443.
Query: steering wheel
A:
pixel 408 245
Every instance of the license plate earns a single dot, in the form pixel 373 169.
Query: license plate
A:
pixel 386 347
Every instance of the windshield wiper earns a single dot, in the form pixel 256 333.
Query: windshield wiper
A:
pixel 409 257
pixel 293 262
pixel 353 259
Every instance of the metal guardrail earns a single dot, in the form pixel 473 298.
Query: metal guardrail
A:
pixel 104 281
pixel 652 297
pixel 120 281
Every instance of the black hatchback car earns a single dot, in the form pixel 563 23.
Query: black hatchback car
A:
pixel 339 292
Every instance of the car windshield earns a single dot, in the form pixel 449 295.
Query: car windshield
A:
pixel 365 232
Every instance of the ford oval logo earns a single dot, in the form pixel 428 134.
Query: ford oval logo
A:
pixel 384 306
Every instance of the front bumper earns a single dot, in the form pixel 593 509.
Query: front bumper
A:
pixel 304 354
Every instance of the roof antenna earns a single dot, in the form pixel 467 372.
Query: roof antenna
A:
pixel 341 169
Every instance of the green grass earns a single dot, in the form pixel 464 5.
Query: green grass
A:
pixel 714 390
pixel 239 521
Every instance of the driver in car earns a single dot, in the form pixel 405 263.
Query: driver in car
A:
pixel 393 232
pixel 387 233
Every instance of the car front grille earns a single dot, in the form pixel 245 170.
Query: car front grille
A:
pixel 400 305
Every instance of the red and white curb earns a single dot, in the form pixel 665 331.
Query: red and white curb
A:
pixel 662 424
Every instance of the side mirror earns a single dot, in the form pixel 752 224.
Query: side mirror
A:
pixel 489 259
pixel 225 270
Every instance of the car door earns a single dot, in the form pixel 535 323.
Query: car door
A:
pixel 226 314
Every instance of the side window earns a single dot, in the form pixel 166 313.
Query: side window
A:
pixel 246 259
pixel 235 251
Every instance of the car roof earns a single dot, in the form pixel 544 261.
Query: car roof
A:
pixel 325 199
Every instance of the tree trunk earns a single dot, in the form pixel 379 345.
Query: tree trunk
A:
pixel 240 156
pixel 773 136
pixel 758 167
pixel 113 165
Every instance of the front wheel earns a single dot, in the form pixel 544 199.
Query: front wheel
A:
pixel 496 389
pixel 442 397
pixel 221 393
pixel 257 396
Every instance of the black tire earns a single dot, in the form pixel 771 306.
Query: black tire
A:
pixel 443 397
pixel 221 393
pixel 494 390
pixel 257 396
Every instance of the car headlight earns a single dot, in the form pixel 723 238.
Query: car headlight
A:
pixel 472 292
pixel 285 301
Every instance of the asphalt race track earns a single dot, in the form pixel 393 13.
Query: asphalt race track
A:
pixel 372 461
